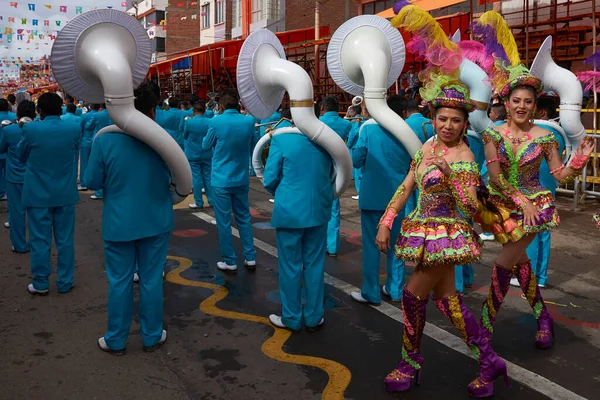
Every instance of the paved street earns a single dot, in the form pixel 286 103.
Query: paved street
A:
pixel 221 346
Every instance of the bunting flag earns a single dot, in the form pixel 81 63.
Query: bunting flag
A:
pixel 29 27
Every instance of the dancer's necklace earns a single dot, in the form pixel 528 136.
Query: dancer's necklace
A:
pixel 526 136
pixel 441 153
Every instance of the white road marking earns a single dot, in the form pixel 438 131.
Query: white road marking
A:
pixel 530 379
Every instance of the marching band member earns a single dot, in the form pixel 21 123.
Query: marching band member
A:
pixel 135 229
pixel 298 173
pixel 230 136
pixel 376 149
pixel 49 149
pixel 420 125
pixel 276 116
pixel 5 114
pixel 194 131
pixel 358 111
pixel 330 107
pixel 98 121
pixel 170 121
pixel 12 103
pixel 514 152
pixel 70 114
pixel 15 171
pixel 70 100
pixel 85 146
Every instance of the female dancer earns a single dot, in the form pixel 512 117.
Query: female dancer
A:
pixel 438 235
pixel 514 152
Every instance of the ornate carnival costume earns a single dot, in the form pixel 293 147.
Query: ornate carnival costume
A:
pixel 438 231
pixel 517 184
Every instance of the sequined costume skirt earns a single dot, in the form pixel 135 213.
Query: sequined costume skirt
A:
pixel 434 241
pixel 512 227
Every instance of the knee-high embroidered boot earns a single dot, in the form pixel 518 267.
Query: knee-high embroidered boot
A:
pixel 491 366
pixel 414 309
pixel 544 339
pixel 498 289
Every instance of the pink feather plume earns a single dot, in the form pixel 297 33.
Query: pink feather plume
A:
pixel 591 79
pixel 476 52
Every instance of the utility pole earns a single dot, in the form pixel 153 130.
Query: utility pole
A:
pixel 317 47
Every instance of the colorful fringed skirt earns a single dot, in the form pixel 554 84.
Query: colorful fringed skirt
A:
pixel 511 227
pixel 435 241
pixel 597 219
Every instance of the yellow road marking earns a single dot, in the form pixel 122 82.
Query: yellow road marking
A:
pixel 339 375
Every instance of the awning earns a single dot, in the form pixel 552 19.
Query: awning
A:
pixel 207 56
pixel 427 5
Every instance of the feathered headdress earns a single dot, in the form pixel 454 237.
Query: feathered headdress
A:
pixel 441 85
pixel 430 40
pixel 591 79
pixel 508 72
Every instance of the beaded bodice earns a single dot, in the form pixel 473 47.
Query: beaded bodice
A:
pixel 436 197
pixel 522 168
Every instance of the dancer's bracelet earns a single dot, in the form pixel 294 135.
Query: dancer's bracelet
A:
pixel 388 218
pixel 578 162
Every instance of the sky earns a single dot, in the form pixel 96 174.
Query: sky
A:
pixel 21 20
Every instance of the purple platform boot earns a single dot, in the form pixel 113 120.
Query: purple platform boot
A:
pixel 409 368
pixel 498 289
pixel 491 366
pixel 544 339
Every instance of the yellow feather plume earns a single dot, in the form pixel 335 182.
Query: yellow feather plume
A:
pixel 504 35
pixel 418 21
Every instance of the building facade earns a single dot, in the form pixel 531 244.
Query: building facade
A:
pixel 152 15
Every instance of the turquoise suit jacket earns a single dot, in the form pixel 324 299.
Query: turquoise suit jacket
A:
pixel 49 148
pixel 184 114
pixel 87 128
pixel 385 163
pixel 230 137
pixel 478 148
pixel 276 116
pixel 340 125
pixel 209 114
pixel 194 131
pixel 546 178
pixel 71 117
pixel 100 120
pixel 6 115
pixel 78 111
pixel 135 180
pixel 9 139
pixel 170 120
pixel 416 121
pixel 298 174
pixel 354 132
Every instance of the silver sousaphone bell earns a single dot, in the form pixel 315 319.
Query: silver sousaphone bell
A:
pixel 21 122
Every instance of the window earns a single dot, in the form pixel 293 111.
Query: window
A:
pixel 379 6
pixel 160 15
pixel 219 11
pixel 158 45
pixel 272 9
pixel 256 10
pixel 236 12
pixel 205 12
